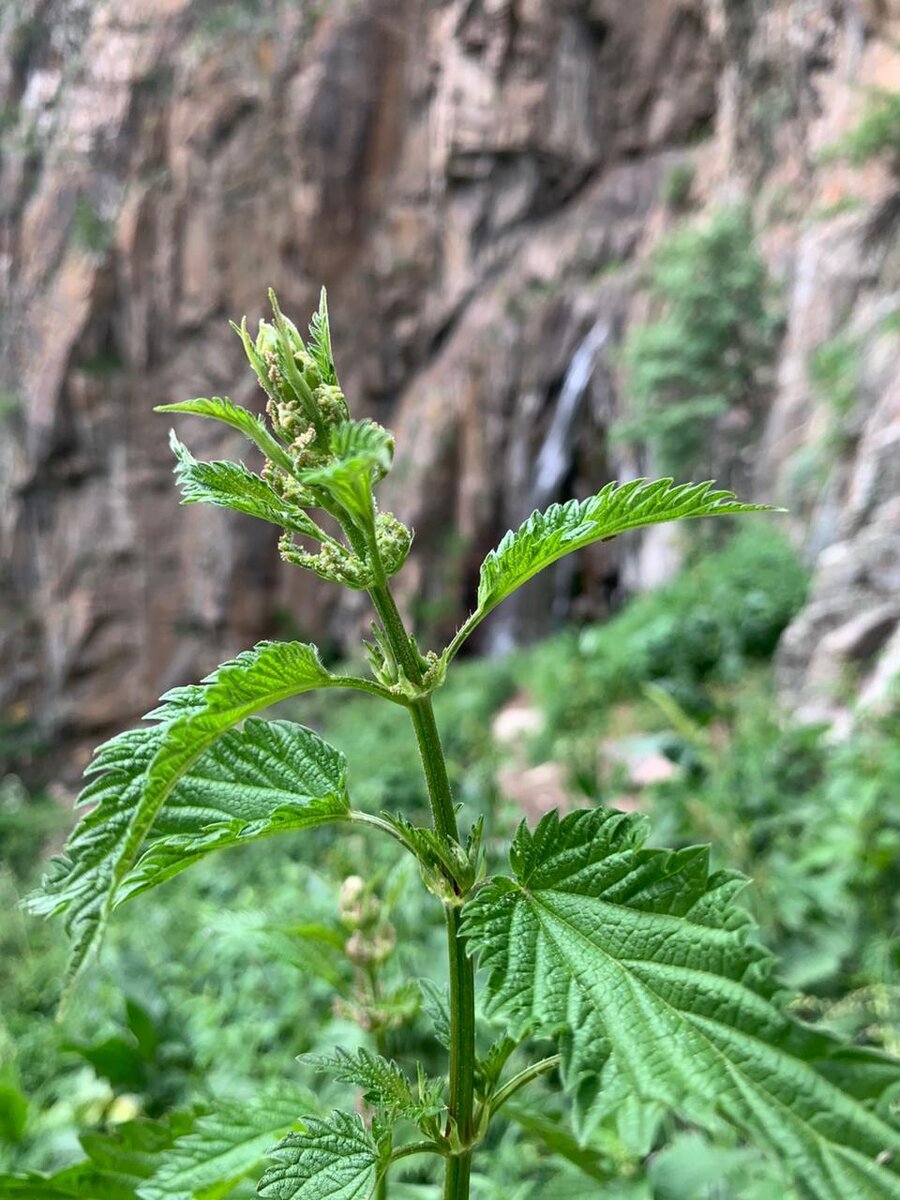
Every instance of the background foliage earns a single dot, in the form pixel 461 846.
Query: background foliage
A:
pixel 212 988
pixel 704 358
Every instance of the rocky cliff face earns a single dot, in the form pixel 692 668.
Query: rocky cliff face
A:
pixel 477 182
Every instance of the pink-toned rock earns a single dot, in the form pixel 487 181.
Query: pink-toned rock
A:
pixel 637 759
pixel 536 790
pixel 516 722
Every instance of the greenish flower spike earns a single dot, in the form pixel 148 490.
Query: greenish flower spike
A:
pixel 315 457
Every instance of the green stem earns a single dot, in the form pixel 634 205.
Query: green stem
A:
pixel 381 1188
pixel 461 1105
pixel 431 752
pixel 461 1102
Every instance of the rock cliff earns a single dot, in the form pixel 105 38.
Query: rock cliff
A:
pixel 478 183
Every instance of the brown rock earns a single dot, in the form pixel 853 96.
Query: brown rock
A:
pixel 477 184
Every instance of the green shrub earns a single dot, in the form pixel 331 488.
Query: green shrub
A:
pixel 705 357
pixel 27 823
pixel 677 186
pixel 876 135
pixel 721 613
pixel 91 231
pixel 834 370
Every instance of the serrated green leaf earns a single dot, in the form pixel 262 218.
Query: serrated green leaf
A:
pixel 231 485
pixel 220 408
pixel 78 882
pixel 490 1067
pixel 134 775
pixel 563 528
pixel 436 1003
pixel 224 1146
pixel 319 345
pixel 363 453
pixel 334 1159
pixel 382 1083
pixel 270 777
pixel 643 963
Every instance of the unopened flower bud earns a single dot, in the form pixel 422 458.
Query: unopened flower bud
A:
pixel 358 908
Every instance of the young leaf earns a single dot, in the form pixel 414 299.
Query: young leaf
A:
pixel 220 408
pixel 319 345
pixel 135 773
pixel 363 452
pixel 436 1003
pixel 231 485
pixel 271 777
pixel 335 1159
pixel 382 1083
pixel 640 958
pixel 223 1147
pixel 564 528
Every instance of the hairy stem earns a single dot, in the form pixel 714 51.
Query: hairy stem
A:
pixel 461 1103
pixel 381 1188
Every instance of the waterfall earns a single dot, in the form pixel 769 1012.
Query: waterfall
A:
pixel 555 455
pixel 553 462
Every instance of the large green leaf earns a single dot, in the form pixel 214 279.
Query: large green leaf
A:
pixel 220 408
pixel 134 775
pixel 336 1159
pixel 563 528
pixel 79 881
pixel 270 777
pixel 231 485
pixel 223 1147
pixel 641 961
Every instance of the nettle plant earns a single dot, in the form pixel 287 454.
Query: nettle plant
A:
pixel 636 962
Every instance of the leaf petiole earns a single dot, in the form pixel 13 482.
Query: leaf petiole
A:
pixel 519 1081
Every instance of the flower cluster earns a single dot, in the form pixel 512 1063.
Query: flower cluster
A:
pixel 329 461
pixel 305 402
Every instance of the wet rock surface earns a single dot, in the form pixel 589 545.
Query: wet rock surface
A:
pixel 478 184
